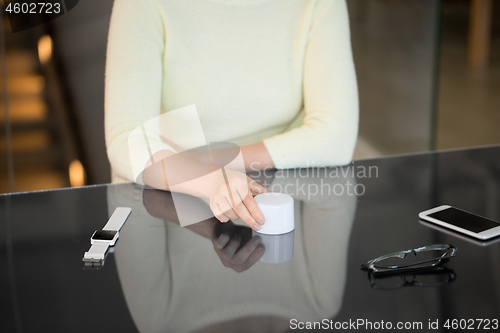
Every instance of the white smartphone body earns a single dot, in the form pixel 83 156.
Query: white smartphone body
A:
pixel 459 220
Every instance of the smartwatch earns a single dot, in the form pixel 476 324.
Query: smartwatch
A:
pixel 102 239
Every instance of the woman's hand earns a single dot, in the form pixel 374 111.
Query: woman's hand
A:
pixel 232 197
pixel 230 192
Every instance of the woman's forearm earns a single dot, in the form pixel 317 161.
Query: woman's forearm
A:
pixel 256 157
pixel 163 172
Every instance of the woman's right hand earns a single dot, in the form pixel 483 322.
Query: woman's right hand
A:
pixel 231 192
pixel 232 197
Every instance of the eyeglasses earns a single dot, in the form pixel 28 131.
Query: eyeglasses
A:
pixel 424 257
pixel 432 277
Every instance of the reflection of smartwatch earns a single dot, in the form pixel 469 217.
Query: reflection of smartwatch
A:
pixel 101 240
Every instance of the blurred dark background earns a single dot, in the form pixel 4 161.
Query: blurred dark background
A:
pixel 428 74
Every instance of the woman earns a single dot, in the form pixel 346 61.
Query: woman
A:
pixel 275 77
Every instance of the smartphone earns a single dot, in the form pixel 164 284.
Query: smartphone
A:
pixel 475 241
pixel 459 220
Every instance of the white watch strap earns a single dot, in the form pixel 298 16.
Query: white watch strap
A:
pixel 118 218
pixel 96 253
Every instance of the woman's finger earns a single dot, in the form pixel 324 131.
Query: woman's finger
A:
pixel 225 207
pixel 255 187
pixel 222 241
pixel 249 211
pixel 233 216
pixel 229 192
pixel 254 209
pixel 218 213
pixel 244 253
pixel 242 211
pixel 254 257
pixel 227 210
pixel 229 251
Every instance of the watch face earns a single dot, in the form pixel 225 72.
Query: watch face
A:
pixel 107 235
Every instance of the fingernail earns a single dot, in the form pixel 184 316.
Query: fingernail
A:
pixel 259 221
pixel 256 227
pixel 260 247
pixel 256 240
pixel 222 241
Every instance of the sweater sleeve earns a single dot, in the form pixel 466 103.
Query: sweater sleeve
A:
pixel 134 70
pixel 328 134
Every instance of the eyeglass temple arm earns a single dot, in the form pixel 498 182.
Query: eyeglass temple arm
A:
pixel 370 263
pixel 402 254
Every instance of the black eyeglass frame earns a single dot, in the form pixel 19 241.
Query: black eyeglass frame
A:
pixel 415 274
pixel 450 249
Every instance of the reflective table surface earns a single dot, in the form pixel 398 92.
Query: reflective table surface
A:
pixel 165 278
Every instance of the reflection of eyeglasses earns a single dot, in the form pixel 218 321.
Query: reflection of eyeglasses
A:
pixel 433 277
pixel 424 257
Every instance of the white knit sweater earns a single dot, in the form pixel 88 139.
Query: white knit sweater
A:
pixel 277 71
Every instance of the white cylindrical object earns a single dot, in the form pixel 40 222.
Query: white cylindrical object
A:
pixel 278 213
pixel 278 248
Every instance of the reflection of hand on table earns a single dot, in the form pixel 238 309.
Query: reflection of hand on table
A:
pixel 234 244
pixel 236 247
pixel 160 204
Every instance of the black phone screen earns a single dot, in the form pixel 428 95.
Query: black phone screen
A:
pixel 464 220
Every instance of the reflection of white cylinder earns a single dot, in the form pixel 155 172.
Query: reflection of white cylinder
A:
pixel 278 213
pixel 279 248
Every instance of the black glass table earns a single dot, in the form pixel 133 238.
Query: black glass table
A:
pixel 162 277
